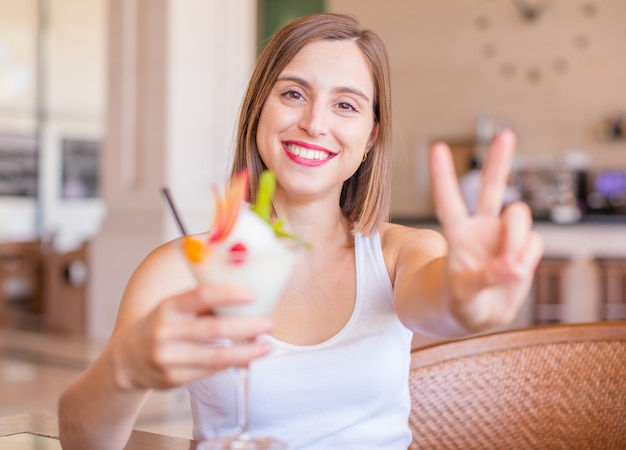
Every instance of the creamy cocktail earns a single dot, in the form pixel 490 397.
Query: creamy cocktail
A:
pixel 248 247
pixel 253 256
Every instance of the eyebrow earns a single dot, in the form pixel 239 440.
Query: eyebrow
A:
pixel 342 89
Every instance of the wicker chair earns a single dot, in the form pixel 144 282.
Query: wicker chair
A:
pixel 550 387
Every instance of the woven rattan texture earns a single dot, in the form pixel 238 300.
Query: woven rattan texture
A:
pixel 551 396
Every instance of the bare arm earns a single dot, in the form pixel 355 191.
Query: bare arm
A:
pixel 95 412
pixel 159 342
pixel 482 276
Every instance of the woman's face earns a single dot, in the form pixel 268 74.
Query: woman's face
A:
pixel 318 119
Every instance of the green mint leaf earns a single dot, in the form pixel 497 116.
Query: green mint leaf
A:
pixel 267 186
pixel 263 207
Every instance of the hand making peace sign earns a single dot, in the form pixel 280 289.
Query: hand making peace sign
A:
pixel 493 253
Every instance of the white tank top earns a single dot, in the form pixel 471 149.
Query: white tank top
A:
pixel 349 392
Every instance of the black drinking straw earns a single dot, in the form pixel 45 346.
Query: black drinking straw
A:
pixel 170 202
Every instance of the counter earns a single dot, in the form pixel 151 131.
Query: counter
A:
pixel 41 431
pixel 581 244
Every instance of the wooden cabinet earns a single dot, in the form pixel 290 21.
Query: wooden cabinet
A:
pixel 21 289
pixel 41 289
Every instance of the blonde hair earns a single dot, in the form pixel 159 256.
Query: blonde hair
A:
pixel 365 195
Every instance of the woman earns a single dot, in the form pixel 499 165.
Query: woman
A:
pixel 336 350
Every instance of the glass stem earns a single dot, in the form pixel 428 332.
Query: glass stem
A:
pixel 242 402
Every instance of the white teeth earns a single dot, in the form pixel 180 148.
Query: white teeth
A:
pixel 308 153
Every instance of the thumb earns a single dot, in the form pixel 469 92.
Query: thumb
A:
pixel 204 298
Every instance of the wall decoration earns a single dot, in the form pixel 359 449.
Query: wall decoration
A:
pixel 18 166
pixel 80 176
pixel 511 26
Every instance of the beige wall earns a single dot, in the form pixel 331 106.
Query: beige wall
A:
pixel 76 62
pixel 442 82
pixel 174 91
pixel 78 47
pixel 17 55
pixel 74 101
pixel 208 72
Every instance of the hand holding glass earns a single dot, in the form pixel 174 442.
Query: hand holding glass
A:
pixel 244 248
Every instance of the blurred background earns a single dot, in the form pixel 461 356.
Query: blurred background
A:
pixel 103 102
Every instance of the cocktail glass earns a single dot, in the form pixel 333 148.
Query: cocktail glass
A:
pixel 252 256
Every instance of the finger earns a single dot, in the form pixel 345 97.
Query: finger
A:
pixel 522 264
pixel 517 223
pixel 534 251
pixel 184 362
pixel 225 327
pixel 449 204
pixel 239 355
pixel 205 298
pixel 212 356
pixel 495 174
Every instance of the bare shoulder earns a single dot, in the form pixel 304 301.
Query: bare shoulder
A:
pixel 162 274
pixel 395 237
pixel 401 243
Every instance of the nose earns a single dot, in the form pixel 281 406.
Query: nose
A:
pixel 314 119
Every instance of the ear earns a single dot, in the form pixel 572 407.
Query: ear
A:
pixel 372 139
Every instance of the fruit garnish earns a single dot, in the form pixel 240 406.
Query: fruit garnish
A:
pixel 263 206
pixel 238 253
pixel 227 206
pixel 194 249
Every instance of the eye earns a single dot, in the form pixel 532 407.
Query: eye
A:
pixel 347 106
pixel 293 95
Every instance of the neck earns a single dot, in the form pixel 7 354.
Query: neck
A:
pixel 317 224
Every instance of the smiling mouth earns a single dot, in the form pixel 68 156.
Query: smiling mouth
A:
pixel 307 153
